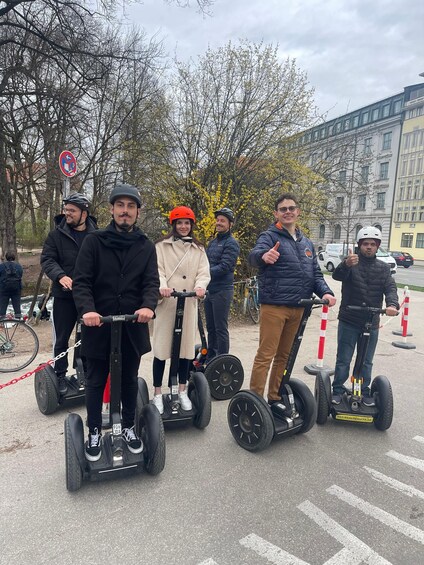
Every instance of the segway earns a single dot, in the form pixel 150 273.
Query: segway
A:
pixel 224 373
pixel 116 459
pixel 254 423
pixel 46 384
pixel 198 388
pixel 351 407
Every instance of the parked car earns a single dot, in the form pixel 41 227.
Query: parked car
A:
pixel 402 258
pixel 335 253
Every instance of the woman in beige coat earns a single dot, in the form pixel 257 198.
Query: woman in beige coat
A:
pixel 183 266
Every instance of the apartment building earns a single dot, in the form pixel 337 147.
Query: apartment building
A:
pixel 407 229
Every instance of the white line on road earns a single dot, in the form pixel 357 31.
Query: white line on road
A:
pixel 393 483
pixel 208 562
pixel 377 513
pixel 355 551
pixel 411 461
pixel 270 552
pixel 419 438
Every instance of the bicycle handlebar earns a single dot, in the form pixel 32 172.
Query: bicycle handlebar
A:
pixel 366 309
pixel 114 318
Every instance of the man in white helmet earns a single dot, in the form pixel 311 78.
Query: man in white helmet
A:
pixel 365 281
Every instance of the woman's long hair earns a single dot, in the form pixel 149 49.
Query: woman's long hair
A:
pixel 173 233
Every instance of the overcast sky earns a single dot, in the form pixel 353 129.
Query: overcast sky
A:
pixel 354 52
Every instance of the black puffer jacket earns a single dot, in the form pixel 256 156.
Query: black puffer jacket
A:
pixel 222 254
pixel 294 276
pixel 60 252
pixel 365 284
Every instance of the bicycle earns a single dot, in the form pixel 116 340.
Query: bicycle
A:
pixel 251 298
pixel 18 344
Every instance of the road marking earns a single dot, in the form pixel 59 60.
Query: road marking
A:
pixel 354 552
pixel 411 461
pixel 419 438
pixel 393 483
pixel 377 513
pixel 270 552
pixel 208 562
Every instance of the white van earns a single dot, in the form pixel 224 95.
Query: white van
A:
pixel 335 253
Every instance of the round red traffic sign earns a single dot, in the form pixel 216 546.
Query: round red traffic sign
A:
pixel 68 163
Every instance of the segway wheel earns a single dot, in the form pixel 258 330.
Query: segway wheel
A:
pixel 323 396
pixel 225 376
pixel 46 390
pixel 74 443
pixel 305 403
pixel 142 400
pixel 381 389
pixel 200 395
pixel 250 421
pixel 153 436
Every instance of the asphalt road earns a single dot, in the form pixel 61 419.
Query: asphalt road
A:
pixel 341 494
pixel 412 276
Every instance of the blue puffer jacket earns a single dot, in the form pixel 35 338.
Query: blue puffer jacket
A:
pixel 222 254
pixel 294 276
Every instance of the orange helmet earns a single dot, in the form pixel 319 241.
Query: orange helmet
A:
pixel 181 212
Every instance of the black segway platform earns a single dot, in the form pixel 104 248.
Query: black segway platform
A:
pixel 254 423
pixel 46 385
pixel 197 387
pixel 352 407
pixel 116 459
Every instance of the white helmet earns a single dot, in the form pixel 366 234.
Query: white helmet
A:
pixel 370 232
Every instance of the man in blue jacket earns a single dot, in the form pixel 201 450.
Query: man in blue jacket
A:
pixel 288 272
pixel 222 253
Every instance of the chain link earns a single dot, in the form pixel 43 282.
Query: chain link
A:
pixel 41 367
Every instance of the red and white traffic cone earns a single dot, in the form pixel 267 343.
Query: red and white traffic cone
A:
pixel 400 331
pixel 106 405
pixel 315 369
pixel 404 344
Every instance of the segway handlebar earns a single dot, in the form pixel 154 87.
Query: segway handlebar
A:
pixel 369 309
pixel 112 319
pixel 312 301
pixel 185 293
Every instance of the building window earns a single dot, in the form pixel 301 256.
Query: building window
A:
pixel 362 199
pixel 375 114
pixel 397 106
pixel 387 141
pixel 337 231
pixel 355 122
pixel 339 204
pixel 406 240
pixel 357 230
pixel 322 231
pixel 411 167
pixel 413 216
pixel 405 216
pixel 365 171
pixel 384 171
pixel 386 110
pixel 420 241
pixel 381 200
pixel 365 117
pixel 347 124
pixel 399 216
pixel 367 146
pixel 342 178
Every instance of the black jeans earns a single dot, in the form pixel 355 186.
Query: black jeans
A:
pixel 159 368
pixel 97 372
pixel 15 297
pixel 64 319
pixel 217 310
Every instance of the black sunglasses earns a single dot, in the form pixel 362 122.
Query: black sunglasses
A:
pixel 287 208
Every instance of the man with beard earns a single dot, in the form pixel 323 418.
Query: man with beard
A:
pixel 58 260
pixel 116 273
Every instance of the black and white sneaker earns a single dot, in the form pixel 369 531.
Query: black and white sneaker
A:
pixel 336 399
pixel 93 449
pixel 368 400
pixel 134 443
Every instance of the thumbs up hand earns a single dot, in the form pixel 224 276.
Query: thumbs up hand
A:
pixel 351 259
pixel 271 256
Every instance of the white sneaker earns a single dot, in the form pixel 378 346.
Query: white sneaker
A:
pixel 158 402
pixel 184 400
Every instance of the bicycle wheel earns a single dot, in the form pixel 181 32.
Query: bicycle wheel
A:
pixel 252 307
pixel 18 345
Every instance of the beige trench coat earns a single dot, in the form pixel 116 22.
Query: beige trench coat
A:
pixel 192 272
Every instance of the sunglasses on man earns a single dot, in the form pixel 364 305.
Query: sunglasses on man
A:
pixel 287 209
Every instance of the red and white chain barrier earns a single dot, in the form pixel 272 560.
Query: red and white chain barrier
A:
pixel 315 369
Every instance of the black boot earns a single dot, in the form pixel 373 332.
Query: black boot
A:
pixel 63 387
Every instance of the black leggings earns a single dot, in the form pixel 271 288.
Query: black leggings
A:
pixel 159 368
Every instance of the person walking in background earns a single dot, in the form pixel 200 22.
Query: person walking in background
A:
pixel 116 273
pixel 58 258
pixel 222 253
pixel 183 266
pixel 288 272
pixel 11 273
pixel 365 281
